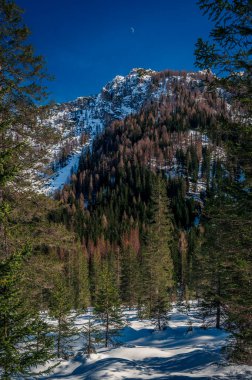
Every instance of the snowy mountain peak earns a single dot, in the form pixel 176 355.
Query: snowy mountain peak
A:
pixel 118 78
pixel 135 76
pixel 139 71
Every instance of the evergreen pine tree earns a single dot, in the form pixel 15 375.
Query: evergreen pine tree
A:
pixel 90 331
pixel 24 339
pixel 227 247
pixel 228 49
pixel 78 279
pixel 130 279
pixel 20 84
pixel 157 266
pixel 60 308
pixel 239 267
pixel 107 305
pixel 223 266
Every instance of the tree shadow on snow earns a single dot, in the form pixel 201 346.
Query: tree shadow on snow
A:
pixel 163 367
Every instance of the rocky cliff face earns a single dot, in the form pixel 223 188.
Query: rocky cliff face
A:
pixel 121 97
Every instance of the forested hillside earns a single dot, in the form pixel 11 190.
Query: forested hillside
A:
pixel 155 164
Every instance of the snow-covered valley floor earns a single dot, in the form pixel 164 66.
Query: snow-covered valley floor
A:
pixel 143 353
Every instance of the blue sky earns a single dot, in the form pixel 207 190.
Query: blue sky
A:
pixel 87 42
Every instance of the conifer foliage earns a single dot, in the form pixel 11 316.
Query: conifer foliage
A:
pixel 21 73
pixel 157 265
pixel 226 251
pixel 107 305
pixel 229 48
pixel 24 337
pixel 60 308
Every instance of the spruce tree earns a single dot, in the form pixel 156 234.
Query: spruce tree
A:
pixel 21 131
pixel 24 336
pixel 157 265
pixel 90 332
pixel 227 246
pixel 78 278
pixel 130 279
pixel 228 53
pixel 60 309
pixel 107 306
pixel 228 48
pixel 22 73
pixel 223 266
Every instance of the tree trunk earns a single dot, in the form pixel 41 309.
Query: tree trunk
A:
pixel 59 338
pixel 107 331
pixel 159 321
pixel 218 315
pixel 218 305
pixel 89 344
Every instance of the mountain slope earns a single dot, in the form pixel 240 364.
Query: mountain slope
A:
pixel 79 121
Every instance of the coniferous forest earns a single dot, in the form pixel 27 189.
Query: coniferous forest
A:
pixel 158 212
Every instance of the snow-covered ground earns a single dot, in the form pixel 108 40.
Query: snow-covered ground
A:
pixel 143 353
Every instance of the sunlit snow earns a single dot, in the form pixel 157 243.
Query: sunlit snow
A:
pixel 182 351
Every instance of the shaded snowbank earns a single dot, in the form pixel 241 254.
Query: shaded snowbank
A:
pixel 143 353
